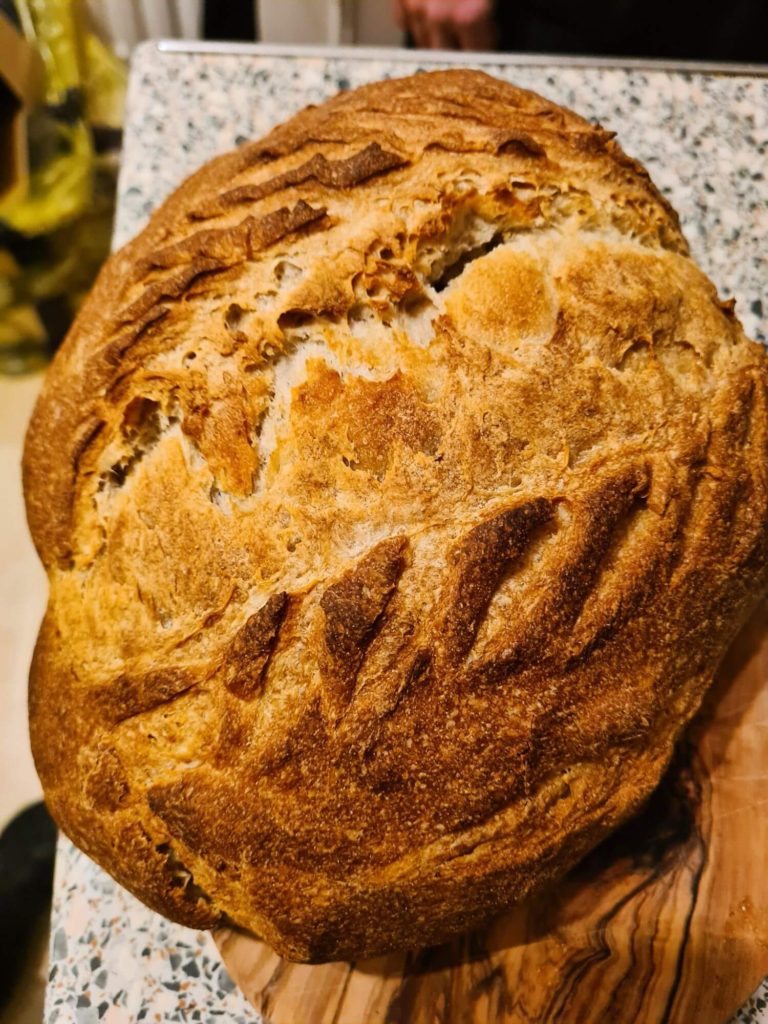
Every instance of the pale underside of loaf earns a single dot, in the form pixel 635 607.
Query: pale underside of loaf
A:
pixel 400 488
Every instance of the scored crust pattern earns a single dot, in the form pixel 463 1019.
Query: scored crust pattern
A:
pixel 400 488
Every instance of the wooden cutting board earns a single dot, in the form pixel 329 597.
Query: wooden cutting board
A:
pixel 667 921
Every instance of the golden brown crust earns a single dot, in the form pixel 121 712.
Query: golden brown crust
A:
pixel 400 488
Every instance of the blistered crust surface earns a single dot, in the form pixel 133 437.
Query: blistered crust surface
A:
pixel 400 487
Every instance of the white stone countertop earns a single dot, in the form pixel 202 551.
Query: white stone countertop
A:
pixel 704 139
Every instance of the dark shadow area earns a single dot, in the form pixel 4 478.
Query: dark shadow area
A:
pixel 27 850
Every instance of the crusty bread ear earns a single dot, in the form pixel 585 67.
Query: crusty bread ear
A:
pixel 400 488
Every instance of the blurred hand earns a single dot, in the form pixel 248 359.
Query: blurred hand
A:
pixel 448 24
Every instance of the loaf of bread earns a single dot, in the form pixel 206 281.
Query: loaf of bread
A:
pixel 400 488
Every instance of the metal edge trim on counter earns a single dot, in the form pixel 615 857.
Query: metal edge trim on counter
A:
pixel 393 53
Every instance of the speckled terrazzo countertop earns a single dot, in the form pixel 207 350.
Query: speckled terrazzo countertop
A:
pixel 703 137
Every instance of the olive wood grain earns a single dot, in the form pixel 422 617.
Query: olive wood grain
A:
pixel 665 923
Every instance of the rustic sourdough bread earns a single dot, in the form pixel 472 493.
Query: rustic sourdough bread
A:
pixel 400 488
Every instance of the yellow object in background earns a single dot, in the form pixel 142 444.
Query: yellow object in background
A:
pixel 55 223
